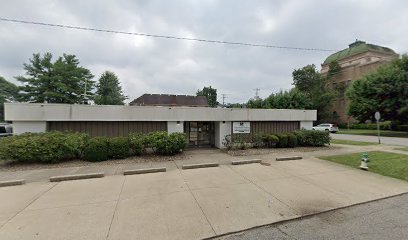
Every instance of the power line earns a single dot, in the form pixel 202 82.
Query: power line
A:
pixel 164 36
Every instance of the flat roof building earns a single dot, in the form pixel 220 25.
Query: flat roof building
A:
pixel 203 126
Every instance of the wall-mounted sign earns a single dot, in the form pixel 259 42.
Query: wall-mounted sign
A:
pixel 241 127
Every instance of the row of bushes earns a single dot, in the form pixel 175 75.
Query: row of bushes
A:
pixel 383 125
pixel 298 138
pixel 61 146
pixel 387 125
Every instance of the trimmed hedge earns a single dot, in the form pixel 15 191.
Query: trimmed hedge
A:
pixel 403 128
pixel 292 140
pixel 383 125
pixel 43 147
pixel 283 140
pixel 137 143
pixel 167 144
pixel 118 147
pixel 61 146
pixel 310 138
pixel 96 150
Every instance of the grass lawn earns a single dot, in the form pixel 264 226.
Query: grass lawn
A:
pixel 369 132
pixel 349 142
pixel 402 149
pixel 388 164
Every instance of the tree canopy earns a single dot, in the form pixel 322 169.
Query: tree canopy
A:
pixel 316 87
pixel 385 90
pixel 8 92
pixel 211 94
pixel 62 81
pixel 108 90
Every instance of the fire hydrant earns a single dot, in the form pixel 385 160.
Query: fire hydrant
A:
pixel 364 161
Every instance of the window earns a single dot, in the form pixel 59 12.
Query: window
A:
pixel 3 129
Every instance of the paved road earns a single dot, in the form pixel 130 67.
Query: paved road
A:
pixel 383 219
pixel 385 140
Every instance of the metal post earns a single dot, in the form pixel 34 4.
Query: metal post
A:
pixel 378 131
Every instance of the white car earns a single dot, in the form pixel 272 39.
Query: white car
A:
pixel 326 127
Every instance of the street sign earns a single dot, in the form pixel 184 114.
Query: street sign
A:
pixel 377 116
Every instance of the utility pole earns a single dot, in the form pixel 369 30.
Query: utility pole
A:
pixel 257 93
pixel 223 99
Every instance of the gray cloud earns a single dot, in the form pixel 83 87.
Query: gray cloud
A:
pixel 169 66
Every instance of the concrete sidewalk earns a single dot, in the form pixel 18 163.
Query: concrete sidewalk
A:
pixel 186 204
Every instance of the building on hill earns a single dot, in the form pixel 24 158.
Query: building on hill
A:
pixel 359 59
pixel 170 100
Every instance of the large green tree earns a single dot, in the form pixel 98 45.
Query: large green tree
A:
pixel 8 93
pixel 385 90
pixel 62 81
pixel 316 87
pixel 292 99
pixel 211 94
pixel 108 90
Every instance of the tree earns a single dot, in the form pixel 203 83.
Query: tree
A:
pixel 108 90
pixel 292 99
pixel 62 81
pixel 256 103
pixel 309 81
pixel 385 90
pixel 8 92
pixel 211 94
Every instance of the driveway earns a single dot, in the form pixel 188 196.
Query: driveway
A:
pixel 186 204
pixel 384 140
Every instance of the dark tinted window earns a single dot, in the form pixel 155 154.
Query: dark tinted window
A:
pixel 3 129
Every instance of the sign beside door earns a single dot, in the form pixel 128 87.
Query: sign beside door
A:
pixel 241 127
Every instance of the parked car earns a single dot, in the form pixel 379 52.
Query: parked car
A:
pixel 326 127
pixel 6 129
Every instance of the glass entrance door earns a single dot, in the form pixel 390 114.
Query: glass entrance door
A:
pixel 200 134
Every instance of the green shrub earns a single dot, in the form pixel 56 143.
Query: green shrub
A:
pixel 118 147
pixel 283 140
pixel 292 140
pixel 312 138
pixel 96 150
pixel 269 140
pixel 403 128
pixel 383 125
pixel 43 147
pixel 137 143
pixel 167 144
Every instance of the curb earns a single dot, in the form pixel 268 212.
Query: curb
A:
pixel 201 165
pixel 288 158
pixel 76 177
pixel 12 183
pixel 142 171
pixel 239 162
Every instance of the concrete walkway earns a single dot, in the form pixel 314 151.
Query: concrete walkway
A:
pixel 186 204
pixel 362 138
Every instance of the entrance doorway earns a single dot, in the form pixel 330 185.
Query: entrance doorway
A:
pixel 200 134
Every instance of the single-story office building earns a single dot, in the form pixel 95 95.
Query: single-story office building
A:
pixel 203 126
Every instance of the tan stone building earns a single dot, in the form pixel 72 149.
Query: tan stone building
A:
pixel 355 61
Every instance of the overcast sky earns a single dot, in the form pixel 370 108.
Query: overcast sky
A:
pixel 151 65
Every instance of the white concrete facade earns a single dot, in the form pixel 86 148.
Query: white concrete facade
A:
pixel 75 112
pixel 30 117
pixel 175 126
pixel 222 129
pixel 307 125
pixel 20 127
